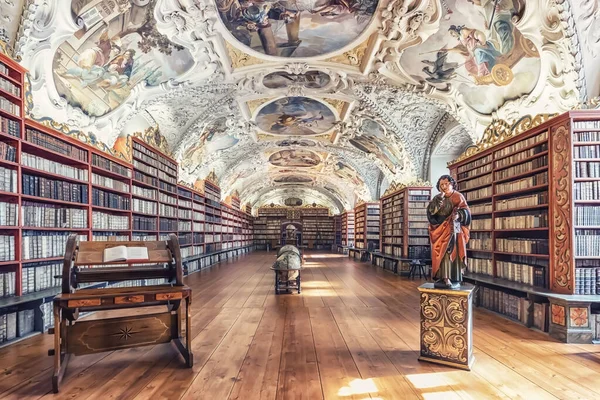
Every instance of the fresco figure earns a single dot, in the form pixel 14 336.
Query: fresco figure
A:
pixel 290 28
pixel 295 116
pixel 449 219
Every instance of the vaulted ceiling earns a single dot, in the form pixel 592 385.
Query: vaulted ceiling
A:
pixel 328 101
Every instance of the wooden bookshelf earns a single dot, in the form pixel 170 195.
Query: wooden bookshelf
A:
pixel 367 226
pixel 348 228
pixel 55 185
pixel 337 221
pixel 404 225
pixel 532 226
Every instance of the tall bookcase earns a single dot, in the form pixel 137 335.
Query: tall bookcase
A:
pixel 318 230
pixel 535 230
pixel 54 185
pixel 337 220
pixel 366 226
pixel 404 225
pixel 267 226
pixel 348 228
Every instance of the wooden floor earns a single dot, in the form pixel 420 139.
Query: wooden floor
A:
pixel 353 333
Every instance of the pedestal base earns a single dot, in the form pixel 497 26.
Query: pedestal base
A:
pixel 570 321
pixel 447 325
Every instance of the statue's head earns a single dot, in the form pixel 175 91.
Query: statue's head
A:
pixel 446 184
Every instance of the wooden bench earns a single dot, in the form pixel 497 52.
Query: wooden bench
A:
pixel 84 264
pixel 364 254
pixel 417 265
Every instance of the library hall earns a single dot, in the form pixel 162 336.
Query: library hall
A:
pixel 299 200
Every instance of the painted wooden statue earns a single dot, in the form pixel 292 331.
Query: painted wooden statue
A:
pixel 449 219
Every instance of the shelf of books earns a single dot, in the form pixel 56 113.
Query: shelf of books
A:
pixel 267 226
pixel 535 201
pixel 404 225
pixel 348 228
pixel 318 230
pixel 366 226
pixel 54 185
pixel 337 221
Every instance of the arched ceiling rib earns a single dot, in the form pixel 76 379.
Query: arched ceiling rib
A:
pixel 272 112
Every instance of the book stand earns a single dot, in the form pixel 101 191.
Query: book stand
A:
pixel 74 337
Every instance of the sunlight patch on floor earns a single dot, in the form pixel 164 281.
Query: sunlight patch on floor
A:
pixel 359 386
pixel 423 381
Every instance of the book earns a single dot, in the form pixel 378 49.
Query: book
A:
pixel 124 253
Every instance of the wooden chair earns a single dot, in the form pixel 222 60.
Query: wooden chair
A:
pixel 78 337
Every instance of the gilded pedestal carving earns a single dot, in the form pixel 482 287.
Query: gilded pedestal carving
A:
pixel 447 325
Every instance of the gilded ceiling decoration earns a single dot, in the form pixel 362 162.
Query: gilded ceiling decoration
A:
pixel 324 101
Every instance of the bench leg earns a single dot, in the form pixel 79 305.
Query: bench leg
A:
pixel 61 359
pixel 298 280
pixel 186 351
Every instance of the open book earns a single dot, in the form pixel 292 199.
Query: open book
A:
pixel 124 253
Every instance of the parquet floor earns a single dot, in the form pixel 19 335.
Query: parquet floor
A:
pixel 352 334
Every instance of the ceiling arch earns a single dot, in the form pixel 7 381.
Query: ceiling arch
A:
pixel 247 92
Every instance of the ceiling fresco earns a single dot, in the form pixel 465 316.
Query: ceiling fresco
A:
pixel 295 116
pixel 296 29
pixel 325 101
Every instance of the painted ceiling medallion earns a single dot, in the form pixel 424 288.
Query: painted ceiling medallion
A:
pixel 117 47
pixel 295 116
pixel 296 142
pixel 310 80
pixel 298 28
pixel 479 49
pixel 293 179
pixel 294 158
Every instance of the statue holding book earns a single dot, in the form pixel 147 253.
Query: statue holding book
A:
pixel 449 219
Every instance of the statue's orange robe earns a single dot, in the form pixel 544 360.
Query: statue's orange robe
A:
pixel 440 235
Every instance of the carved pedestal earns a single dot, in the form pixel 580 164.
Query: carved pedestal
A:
pixel 447 325
pixel 570 320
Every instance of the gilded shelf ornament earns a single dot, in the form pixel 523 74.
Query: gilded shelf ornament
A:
pixel 212 178
pixel 351 57
pixel 590 104
pixel 239 59
pixel 500 130
pixel 154 138
pixel 396 187
pixel 28 100
pixel 393 188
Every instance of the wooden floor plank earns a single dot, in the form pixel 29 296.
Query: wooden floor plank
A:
pixel 298 372
pixel 175 379
pixel 218 375
pixel 259 374
pixel 370 359
pixel 311 289
pixel 352 334
pixel 339 374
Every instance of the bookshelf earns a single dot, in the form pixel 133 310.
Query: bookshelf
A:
pixel 337 221
pixel 54 185
pixel 366 226
pixel 348 228
pixel 267 226
pixel 318 228
pixel 404 224
pixel 534 230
